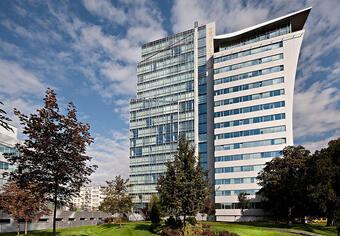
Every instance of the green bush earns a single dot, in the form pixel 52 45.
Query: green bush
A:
pixel 155 215
pixel 173 223
pixel 192 220
pixel 156 228
pixel 168 231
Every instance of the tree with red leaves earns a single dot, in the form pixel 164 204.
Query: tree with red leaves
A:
pixel 23 203
pixel 53 155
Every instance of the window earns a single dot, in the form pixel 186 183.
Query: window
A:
pixel 267 35
pixel 248 63
pixel 202 70
pixel 202 147
pixel 249 86
pixel 202 89
pixel 250 97
pixel 268 142
pixel 249 75
pixel 250 109
pixel 5 221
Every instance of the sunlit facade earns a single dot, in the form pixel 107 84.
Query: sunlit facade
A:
pixel 172 100
pixel 231 95
pixel 8 139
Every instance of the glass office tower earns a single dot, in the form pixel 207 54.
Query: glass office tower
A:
pixel 172 100
pixel 231 95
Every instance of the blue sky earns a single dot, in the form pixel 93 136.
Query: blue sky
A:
pixel 87 51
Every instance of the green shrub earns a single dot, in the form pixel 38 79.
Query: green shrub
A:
pixel 155 215
pixel 156 228
pixel 168 231
pixel 192 220
pixel 171 222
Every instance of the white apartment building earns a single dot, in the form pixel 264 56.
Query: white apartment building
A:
pixel 8 139
pixel 89 198
pixel 254 75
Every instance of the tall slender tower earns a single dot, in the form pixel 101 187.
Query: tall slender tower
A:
pixel 174 98
pixel 231 95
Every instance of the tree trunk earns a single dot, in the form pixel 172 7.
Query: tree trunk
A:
pixel 330 219
pixel 120 221
pixel 18 229
pixel 290 215
pixel 55 208
pixel 26 223
pixel 184 221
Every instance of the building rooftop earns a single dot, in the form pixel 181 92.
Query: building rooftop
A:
pixel 295 20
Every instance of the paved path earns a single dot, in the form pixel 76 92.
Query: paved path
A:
pixel 294 232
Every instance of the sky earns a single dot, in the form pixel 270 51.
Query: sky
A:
pixel 87 51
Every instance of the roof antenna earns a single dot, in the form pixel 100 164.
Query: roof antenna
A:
pixel 196 24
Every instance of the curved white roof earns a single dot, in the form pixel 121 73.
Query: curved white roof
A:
pixel 230 35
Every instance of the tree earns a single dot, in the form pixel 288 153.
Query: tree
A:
pixel 185 185
pixel 23 203
pixel 208 207
pixel 155 215
pixel 243 201
pixel 283 182
pixel 324 182
pixel 117 199
pixel 156 201
pixel 53 153
pixel 4 119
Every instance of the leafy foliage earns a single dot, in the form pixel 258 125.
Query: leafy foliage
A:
pixel 301 184
pixel 283 182
pixel 208 207
pixel 192 220
pixel 155 213
pixel 23 203
pixel 243 201
pixel 324 182
pixel 185 185
pixel 53 154
pixel 4 119
pixel 117 199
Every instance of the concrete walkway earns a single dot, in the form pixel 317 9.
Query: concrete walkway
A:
pixel 294 232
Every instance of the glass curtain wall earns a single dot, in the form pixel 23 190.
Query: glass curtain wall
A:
pixel 202 96
pixel 162 111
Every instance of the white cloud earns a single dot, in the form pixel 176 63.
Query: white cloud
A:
pixel 316 111
pixel 14 80
pixel 318 145
pixel 123 109
pixel 111 155
pixel 224 13
pixel 105 9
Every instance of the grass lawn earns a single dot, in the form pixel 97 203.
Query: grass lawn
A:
pixel 141 229
pixel 259 228
pixel 130 229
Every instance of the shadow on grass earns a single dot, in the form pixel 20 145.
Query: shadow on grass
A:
pixel 33 233
pixel 111 226
pixel 305 227
pixel 144 227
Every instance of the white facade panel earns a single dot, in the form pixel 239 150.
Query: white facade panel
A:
pixel 238 169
